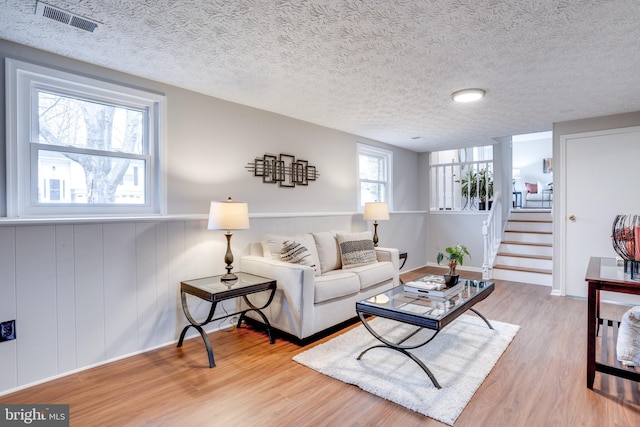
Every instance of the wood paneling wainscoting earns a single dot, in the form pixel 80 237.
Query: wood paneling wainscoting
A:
pixel 538 381
pixel 88 292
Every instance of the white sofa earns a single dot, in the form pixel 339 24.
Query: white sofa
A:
pixel 310 300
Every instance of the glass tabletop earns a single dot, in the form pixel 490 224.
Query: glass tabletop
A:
pixel 410 303
pixel 613 269
pixel 212 285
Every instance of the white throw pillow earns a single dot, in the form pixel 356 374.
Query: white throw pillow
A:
pixel 328 251
pixel 356 249
pixel 628 345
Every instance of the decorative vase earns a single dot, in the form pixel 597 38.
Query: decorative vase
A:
pixel 625 237
pixel 451 279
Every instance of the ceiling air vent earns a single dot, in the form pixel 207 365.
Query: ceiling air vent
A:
pixel 67 18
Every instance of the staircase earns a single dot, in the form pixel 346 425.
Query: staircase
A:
pixel 526 251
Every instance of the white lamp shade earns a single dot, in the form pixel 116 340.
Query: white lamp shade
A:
pixel 228 215
pixel 516 174
pixel 376 211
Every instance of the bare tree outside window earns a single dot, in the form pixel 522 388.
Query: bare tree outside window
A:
pixel 89 145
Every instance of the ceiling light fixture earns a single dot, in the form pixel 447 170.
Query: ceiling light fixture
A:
pixel 468 95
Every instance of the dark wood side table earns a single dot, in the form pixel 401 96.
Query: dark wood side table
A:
pixel 213 290
pixel 603 274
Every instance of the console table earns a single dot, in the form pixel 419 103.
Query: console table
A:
pixel 213 290
pixel 603 274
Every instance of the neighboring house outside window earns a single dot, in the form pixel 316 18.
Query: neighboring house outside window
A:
pixel 81 146
pixel 374 174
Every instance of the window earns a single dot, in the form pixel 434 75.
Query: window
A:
pixel 374 172
pixel 462 179
pixel 81 146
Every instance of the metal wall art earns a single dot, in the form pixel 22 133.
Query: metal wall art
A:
pixel 284 170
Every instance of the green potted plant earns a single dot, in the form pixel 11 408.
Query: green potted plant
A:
pixel 468 184
pixel 477 185
pixel 454 255
pixel 485 188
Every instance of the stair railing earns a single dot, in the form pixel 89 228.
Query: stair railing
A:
pixel 492 235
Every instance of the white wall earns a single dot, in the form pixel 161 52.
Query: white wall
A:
pixel 210 142
pixel 576 127
pixel 87 293
pixel 93 291
pixel 450 228
pixel 527 156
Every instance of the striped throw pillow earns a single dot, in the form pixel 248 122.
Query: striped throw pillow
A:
pixel 296 253
pixel 356 249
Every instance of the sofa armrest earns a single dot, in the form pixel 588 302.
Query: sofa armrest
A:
pixel 392 255
pixel 296 282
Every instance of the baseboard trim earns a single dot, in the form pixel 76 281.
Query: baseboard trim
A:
pixel 277 333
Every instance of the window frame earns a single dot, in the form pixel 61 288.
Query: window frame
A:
pixel 387 156
pixel 23 80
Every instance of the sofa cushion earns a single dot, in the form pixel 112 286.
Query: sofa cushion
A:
pixel 335 284
pixel 272 246
pixel 296 253
pixel 372 274
pixel 356 249
pixel 328 251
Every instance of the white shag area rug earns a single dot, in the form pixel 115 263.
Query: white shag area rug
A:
pixel 460 358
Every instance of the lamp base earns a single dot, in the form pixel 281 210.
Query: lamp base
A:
pixel 375 234
pixel 229 277
pixel 228 259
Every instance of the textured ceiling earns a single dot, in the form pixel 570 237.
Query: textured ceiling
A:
pixel 382 69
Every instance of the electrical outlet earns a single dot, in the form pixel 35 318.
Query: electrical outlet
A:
pixel 8 330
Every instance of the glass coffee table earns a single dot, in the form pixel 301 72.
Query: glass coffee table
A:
pixel 425 312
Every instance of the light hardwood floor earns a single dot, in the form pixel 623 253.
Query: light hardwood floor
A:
pixel 539 381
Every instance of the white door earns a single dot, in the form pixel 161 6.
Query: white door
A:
pixel 602 172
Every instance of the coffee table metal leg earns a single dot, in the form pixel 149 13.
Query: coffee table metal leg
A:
pixel 482 317
pixel 401 349
pixel 410 356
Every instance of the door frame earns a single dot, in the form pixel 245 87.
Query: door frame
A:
pixel 560 204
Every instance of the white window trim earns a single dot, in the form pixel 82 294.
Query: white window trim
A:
pixel 376 151
pixel 20 77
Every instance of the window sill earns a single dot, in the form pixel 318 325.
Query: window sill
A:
pixel 98 219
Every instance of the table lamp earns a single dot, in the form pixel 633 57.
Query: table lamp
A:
pixel 515 175
pixel 376 211
pixel 228 215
